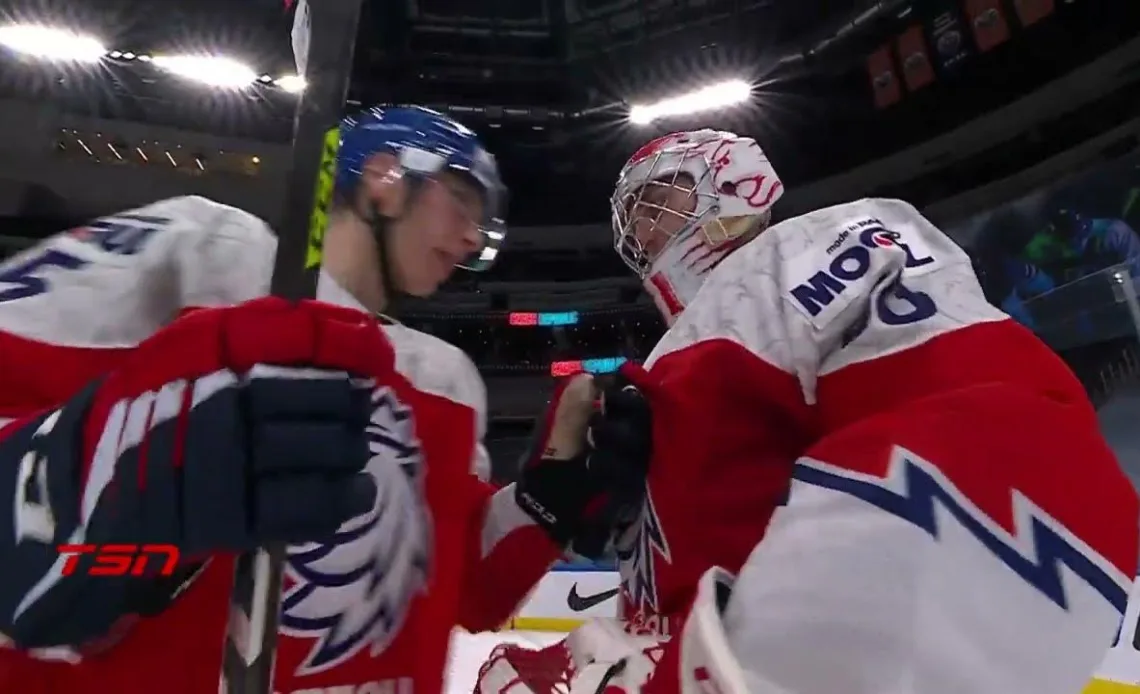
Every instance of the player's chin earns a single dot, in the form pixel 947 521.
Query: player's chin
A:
pixel 424 284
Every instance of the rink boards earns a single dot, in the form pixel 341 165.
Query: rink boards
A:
pixel 550 608
pixel 1110 687
pixel 1120 671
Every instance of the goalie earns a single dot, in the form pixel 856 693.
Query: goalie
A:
pixel 911 487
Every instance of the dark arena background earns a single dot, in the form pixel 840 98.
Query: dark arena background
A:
pixel 1013 124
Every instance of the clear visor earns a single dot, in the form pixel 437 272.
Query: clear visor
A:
pixel 491 226
pixel 493 233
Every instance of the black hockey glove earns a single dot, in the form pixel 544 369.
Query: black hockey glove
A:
pixel 585 470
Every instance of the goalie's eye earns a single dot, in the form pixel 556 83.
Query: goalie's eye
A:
pixel 655 193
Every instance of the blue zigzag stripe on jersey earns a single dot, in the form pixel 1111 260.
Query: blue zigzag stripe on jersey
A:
pixel 600 565
pixel 917 506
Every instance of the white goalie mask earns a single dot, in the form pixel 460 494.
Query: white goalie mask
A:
pixel 683 202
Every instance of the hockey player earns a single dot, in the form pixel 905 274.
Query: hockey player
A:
pixel 912 487
pixel 238 425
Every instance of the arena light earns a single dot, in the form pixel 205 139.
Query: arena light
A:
pixel 213 71
pixel 47 43
pixel 294 84
pixel 714 96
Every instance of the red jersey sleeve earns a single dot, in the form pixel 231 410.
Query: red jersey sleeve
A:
pixel 507 554
pixel 504 553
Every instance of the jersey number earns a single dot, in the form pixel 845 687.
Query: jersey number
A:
pixel 899 305
pixel 124 235
pixel 27 276
pixel 119 236
pixel 895 305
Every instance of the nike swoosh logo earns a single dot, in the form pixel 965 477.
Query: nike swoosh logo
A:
pixel 580 603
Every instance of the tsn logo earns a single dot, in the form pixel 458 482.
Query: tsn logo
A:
pixel 119 560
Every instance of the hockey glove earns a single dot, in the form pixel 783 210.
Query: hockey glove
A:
pixel 621 432
pixel 585 470
pixel 230 429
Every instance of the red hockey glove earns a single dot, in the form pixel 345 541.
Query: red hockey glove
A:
pixel 585 470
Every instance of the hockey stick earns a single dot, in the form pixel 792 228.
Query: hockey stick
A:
pixel 324 37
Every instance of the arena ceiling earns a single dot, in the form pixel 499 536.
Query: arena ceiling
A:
pixel 548 82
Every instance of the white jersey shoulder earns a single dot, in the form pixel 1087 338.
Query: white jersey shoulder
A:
pixel 116 280
pixel 840 285
pixel 432 365
pixel 440 368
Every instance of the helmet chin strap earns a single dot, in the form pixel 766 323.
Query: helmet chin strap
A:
pixel 381 226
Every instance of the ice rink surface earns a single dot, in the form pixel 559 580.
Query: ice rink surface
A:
pixel 468 651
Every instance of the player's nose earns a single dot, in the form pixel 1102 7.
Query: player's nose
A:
pixel 472 237
pixel 648 236
pixel 466 241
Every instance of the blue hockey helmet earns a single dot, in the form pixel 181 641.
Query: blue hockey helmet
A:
pixel 426 143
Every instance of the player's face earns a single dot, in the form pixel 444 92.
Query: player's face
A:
pixel 663 208
pixel 439 231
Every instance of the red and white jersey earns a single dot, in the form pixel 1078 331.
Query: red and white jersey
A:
pixel 947 517
pixel 73 306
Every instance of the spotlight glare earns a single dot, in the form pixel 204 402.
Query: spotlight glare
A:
pixel 714 96
pixel 214 71
pixel 48 43
pixel 294 84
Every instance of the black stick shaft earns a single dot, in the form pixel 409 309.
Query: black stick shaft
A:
pixel 251 643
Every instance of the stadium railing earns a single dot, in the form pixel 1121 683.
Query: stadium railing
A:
pixel 1096 308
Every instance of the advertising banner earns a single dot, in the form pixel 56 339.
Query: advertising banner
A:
pixel 948 35
pixel 988 23
pixel 884 81
pixel 916 68
pixel 568 596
